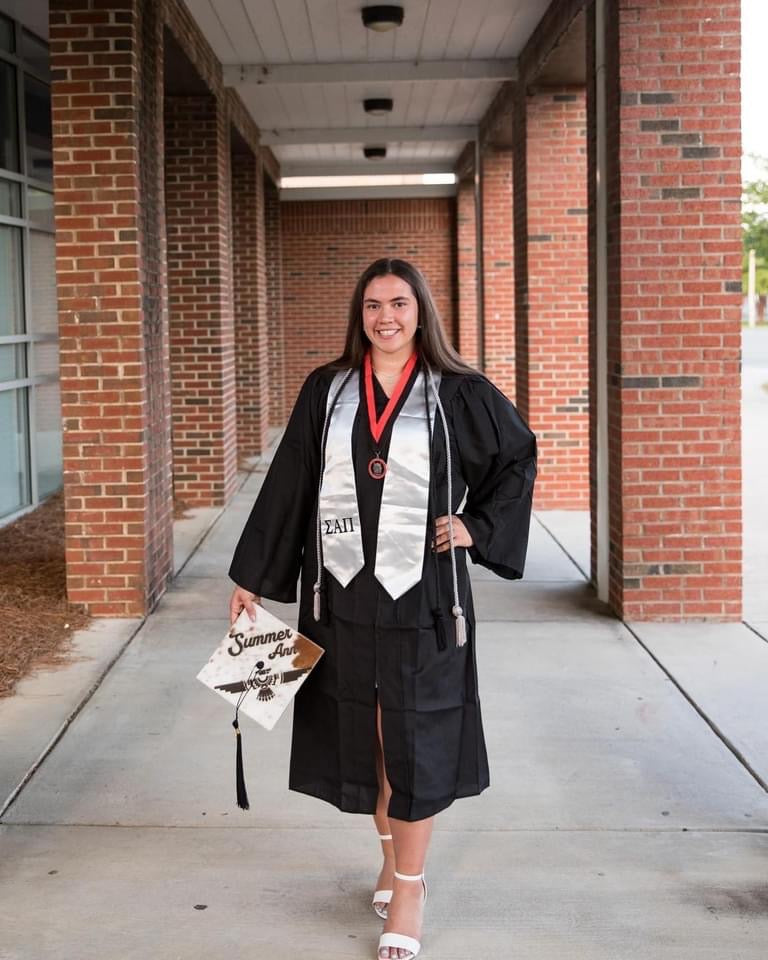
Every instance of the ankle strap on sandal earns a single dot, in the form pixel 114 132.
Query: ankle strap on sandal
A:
pixel 406 876
pixel 385 836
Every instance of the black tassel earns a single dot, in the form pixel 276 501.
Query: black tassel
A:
pixel 440 628
pixel 242 793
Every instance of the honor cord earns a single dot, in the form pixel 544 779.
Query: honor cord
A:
pixel 456 610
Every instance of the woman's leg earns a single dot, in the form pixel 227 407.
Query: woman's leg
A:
pixel 410 840
pixel 380 818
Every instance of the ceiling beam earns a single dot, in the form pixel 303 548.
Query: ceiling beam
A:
pixel 366 135
pixel 367 193
pixel 385 71
pixel 353 168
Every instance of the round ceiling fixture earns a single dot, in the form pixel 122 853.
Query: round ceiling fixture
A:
pixel 374 153
pixel 378 105
pixel 382 18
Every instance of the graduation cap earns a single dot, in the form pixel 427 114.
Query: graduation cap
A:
pixel 258 667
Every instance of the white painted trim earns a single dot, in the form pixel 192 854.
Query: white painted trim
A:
pixel 392 71
pixel 603 491
pixel 366 135
pixel 368 193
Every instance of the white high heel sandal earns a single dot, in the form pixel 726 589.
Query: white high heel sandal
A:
pixel 400 940
pixel 382 896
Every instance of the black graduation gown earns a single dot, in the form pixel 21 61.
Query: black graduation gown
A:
pixel 403 651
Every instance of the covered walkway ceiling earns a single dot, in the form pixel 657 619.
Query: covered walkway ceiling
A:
pixel 304 68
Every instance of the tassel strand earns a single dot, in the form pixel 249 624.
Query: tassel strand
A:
pixel 242 793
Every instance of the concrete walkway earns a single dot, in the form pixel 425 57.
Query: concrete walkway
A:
pixel 627 817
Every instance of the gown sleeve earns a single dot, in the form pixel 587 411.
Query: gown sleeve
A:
pixel 268 556
pixel 498 453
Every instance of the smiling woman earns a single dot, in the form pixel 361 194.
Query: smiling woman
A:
pixel 362 494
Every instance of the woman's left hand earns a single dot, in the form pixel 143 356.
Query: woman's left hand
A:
pixel 461 536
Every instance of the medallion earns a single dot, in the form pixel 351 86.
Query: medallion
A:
pixel 377 468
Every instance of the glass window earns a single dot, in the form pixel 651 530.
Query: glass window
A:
pixel 12 361
pixel 40 208
pixel 10 198
pixel 11 295
pixel 6 34
pixel 14 469
pixel 42 316
pixel 28 304
pixel 9 126
pixel 37 110
pixel 35 53
pixel 48 437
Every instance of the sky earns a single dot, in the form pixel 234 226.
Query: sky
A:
pixel 754 84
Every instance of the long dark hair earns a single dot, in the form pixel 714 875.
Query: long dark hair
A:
pixel 430 338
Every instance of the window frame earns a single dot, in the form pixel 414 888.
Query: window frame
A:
pixel 27 227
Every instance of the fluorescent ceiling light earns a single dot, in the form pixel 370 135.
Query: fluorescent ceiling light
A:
pixel 370 180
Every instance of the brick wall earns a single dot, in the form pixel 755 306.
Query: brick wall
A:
pixel 466 271
pixel 327 244
pixel 674 309
pixel 555 233
pixel 498 268
pixel 106 77
pixel 279 410
pixel 250 302
pixel 158 518
pixel 197 172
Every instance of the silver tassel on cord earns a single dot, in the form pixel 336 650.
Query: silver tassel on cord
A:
pixel 461 626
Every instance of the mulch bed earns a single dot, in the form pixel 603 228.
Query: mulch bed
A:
pixel 36 619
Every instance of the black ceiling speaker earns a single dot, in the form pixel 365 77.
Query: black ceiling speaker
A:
pixel 382 18
pixel 378 105
pixel 375 153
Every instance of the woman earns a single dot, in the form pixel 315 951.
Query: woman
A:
pixel 389 721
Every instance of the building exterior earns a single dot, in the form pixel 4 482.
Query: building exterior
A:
pixel 163 293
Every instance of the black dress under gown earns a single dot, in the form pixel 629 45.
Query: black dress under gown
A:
pixel 402 650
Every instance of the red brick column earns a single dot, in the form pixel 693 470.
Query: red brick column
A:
pixel 555 193
pixel 279 411
pixel 250 300
pixel 498 267
pixel 674 256
pixel 110 257
pixel 466 259
pixel 197 185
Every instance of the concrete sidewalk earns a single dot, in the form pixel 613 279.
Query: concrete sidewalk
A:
pixel 627 817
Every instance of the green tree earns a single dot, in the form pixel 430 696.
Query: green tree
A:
pixel 754 223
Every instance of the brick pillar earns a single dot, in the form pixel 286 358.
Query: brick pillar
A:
pixel 498 267
pixel 108 156
pixel 674 293
pixel 197 186
pixel 554 190
pixel 466 249
pixel 278 401
pixel 250 300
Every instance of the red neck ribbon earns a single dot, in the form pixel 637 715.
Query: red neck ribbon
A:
pixel 377 426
